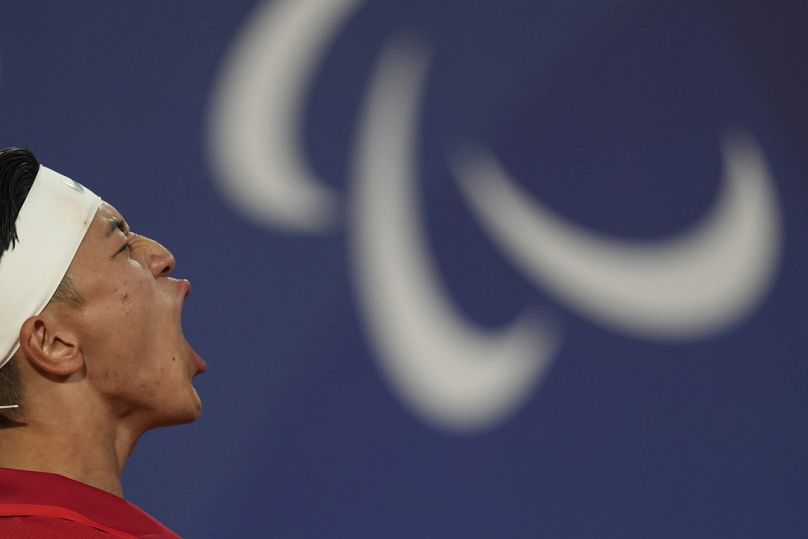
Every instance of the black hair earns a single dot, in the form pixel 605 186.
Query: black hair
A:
pixel 18 168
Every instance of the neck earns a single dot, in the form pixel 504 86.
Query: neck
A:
pixel 89 449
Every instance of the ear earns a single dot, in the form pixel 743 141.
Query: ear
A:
pixel 50 346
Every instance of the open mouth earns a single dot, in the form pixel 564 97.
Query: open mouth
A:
pixel 199 364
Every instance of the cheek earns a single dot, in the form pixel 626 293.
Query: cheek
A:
pixel 139 312
pixel 129 296
pixel 131 371
pixel 119 333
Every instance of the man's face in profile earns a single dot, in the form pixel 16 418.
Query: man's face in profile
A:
pixel 129 329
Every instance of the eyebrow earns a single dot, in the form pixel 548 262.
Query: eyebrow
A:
pixel 115 224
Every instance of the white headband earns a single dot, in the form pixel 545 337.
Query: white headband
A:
pixel 50 226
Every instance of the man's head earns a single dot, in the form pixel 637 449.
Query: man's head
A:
pixel 110 337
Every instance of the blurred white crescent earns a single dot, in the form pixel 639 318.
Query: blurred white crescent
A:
pixel 254 137
pixel 689 286
pixel 451 374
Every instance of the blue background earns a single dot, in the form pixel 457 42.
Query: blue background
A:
pixel 610 113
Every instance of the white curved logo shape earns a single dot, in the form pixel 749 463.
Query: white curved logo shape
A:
pixel 692 285
pixel 254 132
pixel 451 374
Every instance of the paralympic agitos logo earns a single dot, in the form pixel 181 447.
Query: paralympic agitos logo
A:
pixel 449 372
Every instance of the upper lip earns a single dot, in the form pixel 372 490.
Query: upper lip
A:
pixel 185 286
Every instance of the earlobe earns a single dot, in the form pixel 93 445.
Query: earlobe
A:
pixel 49 347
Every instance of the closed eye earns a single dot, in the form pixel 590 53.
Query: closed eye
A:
pixel 124 247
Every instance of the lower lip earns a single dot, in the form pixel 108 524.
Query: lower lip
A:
pixel 196 397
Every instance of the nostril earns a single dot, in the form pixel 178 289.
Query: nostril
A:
pixel 164 265
pixel 170 264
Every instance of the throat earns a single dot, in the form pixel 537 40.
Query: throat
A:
pixel 90 456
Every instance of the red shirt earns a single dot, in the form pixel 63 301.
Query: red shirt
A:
pixel 46 505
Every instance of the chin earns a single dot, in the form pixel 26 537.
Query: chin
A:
pixel 191 411
pixel 179 418
pixel 186 412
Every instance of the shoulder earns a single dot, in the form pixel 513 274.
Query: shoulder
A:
pixel 42 527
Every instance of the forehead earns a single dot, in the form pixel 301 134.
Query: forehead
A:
pixel 106 213
pixel 107 219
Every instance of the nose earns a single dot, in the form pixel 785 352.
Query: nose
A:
pixel 160 260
